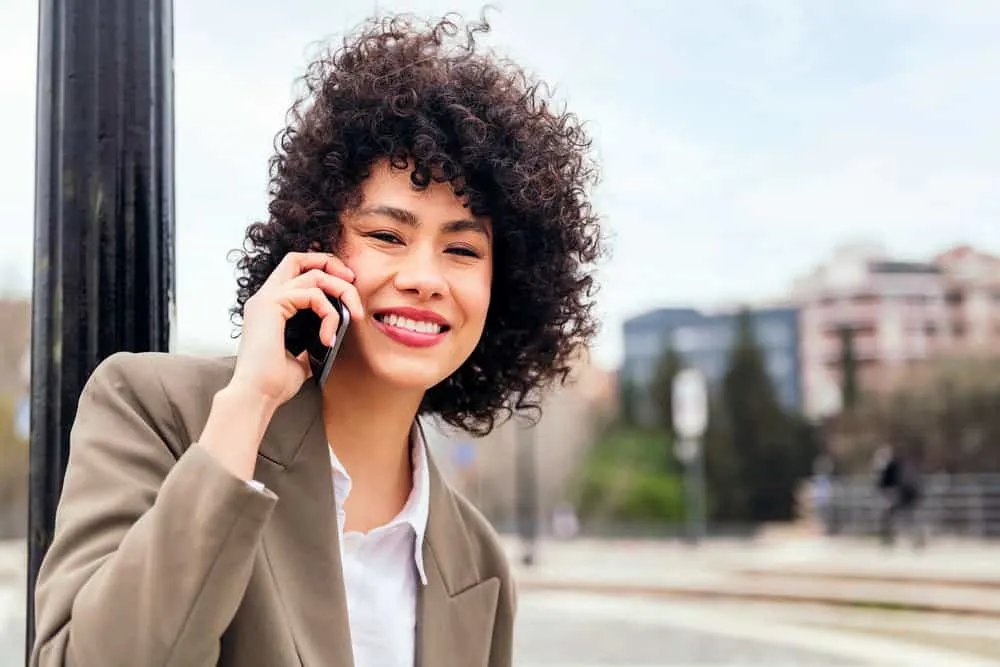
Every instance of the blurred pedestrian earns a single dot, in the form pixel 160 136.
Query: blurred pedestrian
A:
pixel 899 485
pixel 565 524
pixel 234 512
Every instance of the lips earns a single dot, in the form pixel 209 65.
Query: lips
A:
pixel 412 326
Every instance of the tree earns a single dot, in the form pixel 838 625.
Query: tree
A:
pixel 942 415
pixel 661 389
pixel 753 458
pixel 628 400
pixel 630 477
pixel 848 369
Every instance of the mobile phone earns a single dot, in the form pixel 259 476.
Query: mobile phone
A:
pixel 302 334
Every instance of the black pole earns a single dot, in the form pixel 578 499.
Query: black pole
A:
pixel 103 218
pixel 527 490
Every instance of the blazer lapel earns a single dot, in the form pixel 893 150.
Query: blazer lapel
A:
pixel 456 608
pixel 301 543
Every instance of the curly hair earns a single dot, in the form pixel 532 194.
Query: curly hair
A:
pixel 419 94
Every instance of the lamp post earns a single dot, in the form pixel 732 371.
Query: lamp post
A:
pixel 104 219
pixel 527 491
pixel 690 417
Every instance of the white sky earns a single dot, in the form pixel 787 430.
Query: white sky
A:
pixel 741 140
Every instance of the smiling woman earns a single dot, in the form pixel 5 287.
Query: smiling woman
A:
pixel 235 511
pixel 430 104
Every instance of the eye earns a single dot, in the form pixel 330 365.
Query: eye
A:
pixel 463 251
pixel 386 237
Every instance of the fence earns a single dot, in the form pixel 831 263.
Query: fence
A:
pixel 966 505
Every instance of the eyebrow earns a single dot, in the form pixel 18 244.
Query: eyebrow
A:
pixel 404 217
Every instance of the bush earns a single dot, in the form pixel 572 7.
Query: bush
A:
pixel 630 475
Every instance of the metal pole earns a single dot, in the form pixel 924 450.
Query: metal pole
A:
pixel 690 451
pixel 103 218
pixel 701 502
pixel 527 491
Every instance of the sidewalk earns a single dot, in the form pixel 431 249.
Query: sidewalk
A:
pixel 951 577
pixel 948 576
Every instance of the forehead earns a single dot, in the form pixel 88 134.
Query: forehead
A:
pixel 389 189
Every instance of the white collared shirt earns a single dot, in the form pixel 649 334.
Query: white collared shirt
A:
pixel 383 569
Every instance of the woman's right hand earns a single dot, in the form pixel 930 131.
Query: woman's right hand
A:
pixel 302 280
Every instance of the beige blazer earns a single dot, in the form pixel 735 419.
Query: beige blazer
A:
pixel 161 558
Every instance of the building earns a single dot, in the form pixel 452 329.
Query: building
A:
pixel 895 310
pixel 901 313
pixel 704 341
pixel 972 294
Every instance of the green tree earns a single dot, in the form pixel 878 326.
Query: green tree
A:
pixel 661 389
pixel 629 476
pixel 753 456
pixel 628 401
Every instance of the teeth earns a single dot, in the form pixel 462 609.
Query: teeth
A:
pixel 394 320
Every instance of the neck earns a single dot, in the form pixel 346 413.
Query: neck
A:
pixel 368 426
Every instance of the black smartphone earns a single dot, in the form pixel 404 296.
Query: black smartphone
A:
pixel 302 334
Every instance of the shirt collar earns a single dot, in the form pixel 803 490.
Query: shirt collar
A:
pixel 417 508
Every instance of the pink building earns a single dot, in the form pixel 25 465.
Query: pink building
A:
pixel 897 311
pixel 901 313
pixel 972 291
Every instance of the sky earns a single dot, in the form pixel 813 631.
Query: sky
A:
pixel 740 140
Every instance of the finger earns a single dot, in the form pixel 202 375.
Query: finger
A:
pixel 328 329
pixel 313 298
pixel 296 263
pixel 334 286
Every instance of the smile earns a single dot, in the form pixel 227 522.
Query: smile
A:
pixel 420 326
pixel 410 331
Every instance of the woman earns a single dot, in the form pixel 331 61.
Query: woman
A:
pixel 234 512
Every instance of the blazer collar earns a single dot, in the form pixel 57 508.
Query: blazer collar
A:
pixel 286 434
pixel 457 608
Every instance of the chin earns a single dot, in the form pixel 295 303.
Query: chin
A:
pixel 410 373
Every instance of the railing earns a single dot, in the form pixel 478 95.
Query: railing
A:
pixel 966 505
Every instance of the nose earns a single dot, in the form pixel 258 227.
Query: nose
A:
pixel 420 273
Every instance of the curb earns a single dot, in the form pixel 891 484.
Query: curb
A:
pixel 752 596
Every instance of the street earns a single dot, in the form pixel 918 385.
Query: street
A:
pixel 559 630
pixel 581 630
pixel 587 630
pixel 572 626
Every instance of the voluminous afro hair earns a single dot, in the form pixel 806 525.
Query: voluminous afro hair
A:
pixel 422 95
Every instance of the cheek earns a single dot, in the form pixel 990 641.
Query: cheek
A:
pixel 366 271
pixel 477 301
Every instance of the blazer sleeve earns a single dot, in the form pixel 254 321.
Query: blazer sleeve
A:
pixel 154 540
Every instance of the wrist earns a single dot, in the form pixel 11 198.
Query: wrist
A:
pixel 235 428
pixel 246 401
